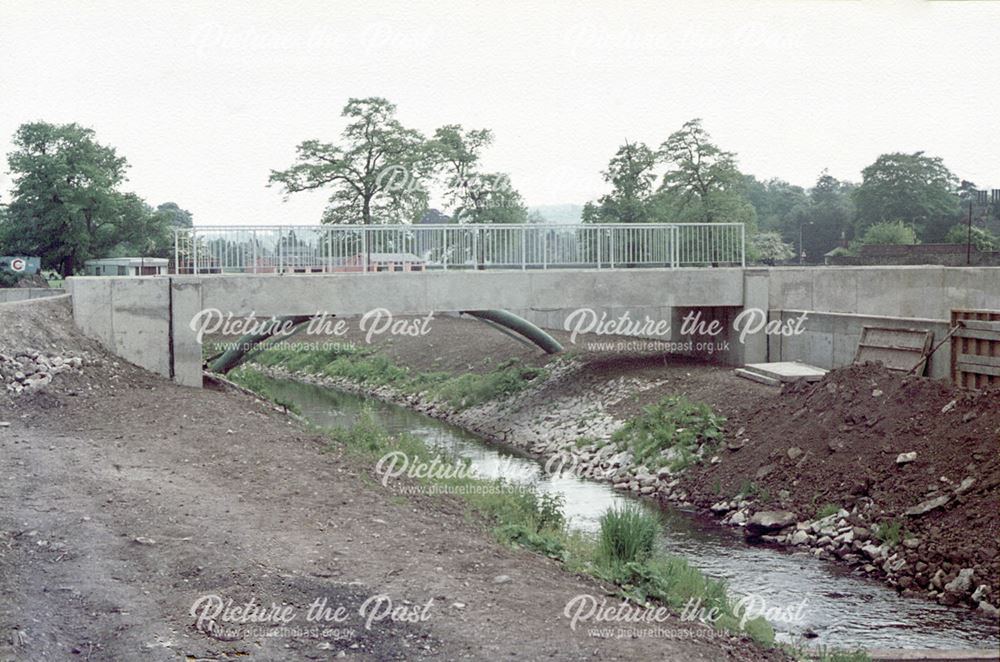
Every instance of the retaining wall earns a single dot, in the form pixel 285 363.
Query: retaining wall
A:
pixel 8 294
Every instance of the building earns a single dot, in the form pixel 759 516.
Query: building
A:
pixel 382 262
pixel 126 266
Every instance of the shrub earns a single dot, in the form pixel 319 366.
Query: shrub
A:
pixel 983 240
pixel 770 248
pixel 894 232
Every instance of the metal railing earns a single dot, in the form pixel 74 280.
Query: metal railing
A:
pixel 408 248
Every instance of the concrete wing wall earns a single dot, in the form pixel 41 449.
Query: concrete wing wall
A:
pixel 927 292
pixel 129 316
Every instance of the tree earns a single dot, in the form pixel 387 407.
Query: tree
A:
pixel 776 204
pixel 985 213
pixel 826 217
pixel 702 184
pixel 630 172
pixel 66 204
pixel 474 196
pixel 377 174
pixel 175 216
pixel 138 230
pixel 914 188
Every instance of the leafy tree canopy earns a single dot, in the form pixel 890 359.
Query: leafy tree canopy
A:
pixel 474 196
pixel 66 203
pixel 376 174
pixel 631 175
pixel 913 188
pixel 702 183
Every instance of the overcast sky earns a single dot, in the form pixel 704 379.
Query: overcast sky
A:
pixel 205 98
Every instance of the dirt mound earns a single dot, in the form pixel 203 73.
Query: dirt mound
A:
pixel 840 441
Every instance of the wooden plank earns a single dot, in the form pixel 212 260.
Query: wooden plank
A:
pixel 980 359
pixel 969 313
pixel 972 369
pixel 983 325
pixel 978 335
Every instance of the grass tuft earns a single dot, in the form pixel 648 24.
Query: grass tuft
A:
pixel 671 433
pixel 628 534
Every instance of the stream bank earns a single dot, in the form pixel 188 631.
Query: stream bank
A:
pixel 844 611
pixel 571 414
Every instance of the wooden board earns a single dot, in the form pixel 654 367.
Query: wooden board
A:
pixel 896 349
pixel 975 348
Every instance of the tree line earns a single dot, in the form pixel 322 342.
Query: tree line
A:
pixel 902 198
pixel 68 203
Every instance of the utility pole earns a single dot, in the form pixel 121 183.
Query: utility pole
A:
pixel 968 242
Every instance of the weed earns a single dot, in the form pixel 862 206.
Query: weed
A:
pixel 826 510
pixel 891 533
pixel 671 432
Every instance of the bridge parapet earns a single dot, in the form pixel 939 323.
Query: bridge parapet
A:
pixel 444 247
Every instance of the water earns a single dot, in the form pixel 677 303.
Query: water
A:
pixel 844 610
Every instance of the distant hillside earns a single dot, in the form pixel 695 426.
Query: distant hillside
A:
pixel 558 213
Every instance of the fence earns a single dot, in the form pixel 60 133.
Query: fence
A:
pixel 346 248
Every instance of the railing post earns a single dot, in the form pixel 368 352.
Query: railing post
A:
pixel 253 252
pixel 597 232
pixel 364 248
pixel 524 246
pixel 611 248
pixel 177 253
pixel 475 247
pixel 743 245
pixel 545 248
pixel 194 249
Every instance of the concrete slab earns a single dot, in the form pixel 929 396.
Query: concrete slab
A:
pixel 786 371
pixel 757 377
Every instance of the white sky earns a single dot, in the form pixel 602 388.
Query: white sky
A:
pixel 204 98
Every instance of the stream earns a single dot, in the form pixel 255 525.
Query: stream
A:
pixel 843 609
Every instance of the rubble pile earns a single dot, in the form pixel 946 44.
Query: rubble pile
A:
pixel 27 371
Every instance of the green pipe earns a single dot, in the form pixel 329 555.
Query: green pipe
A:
pixel 234 355
pixel 507 322
pixel 520 326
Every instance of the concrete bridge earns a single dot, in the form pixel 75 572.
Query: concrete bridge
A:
pixel 147 320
